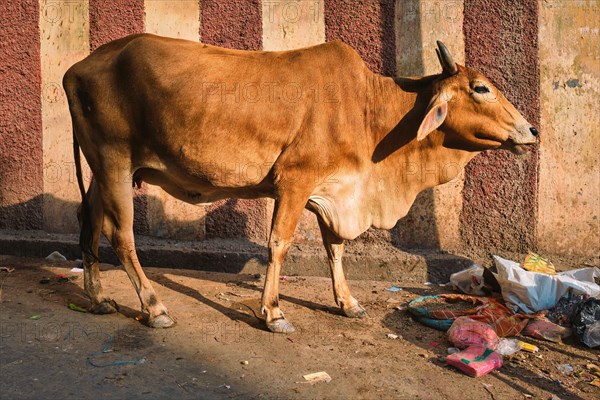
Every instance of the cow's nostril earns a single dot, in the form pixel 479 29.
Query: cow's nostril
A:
pixel 533 131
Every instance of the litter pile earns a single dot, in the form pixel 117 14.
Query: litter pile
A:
pixel 529 299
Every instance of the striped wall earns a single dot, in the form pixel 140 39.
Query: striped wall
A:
pixel 543 54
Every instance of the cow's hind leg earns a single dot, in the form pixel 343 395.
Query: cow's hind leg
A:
pixel 288 209
pixel 91 271
pixel 117 200
pixel 341 292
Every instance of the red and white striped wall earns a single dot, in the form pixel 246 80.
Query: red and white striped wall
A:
pixel 543 54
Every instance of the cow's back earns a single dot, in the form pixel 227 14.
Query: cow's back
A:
pixel 203 108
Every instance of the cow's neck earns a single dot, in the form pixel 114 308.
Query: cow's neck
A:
pixel 403 165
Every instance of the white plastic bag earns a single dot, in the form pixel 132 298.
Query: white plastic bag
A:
pixel 469 281
pixel 534 291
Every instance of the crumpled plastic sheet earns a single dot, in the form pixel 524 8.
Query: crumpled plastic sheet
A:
pixel 534 291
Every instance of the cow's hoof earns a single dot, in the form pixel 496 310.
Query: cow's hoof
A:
pixel 355 312
pixel 280 325
pixel 106 307
pixel 161 321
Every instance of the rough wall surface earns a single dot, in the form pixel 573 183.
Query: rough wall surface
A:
pixel 21 174
pixel 368 28
pixel 499 196
pixel 113 19
pixel 569 184
pixel 232 24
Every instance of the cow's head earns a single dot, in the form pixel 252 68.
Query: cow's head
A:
pixel 472 113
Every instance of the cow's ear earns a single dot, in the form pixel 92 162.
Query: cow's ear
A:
pixel 434 117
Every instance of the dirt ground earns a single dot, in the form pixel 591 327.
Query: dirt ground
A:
pixel 220 349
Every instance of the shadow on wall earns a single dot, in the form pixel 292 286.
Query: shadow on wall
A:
pixel 232 222
pixel 29 215
pixel 418 229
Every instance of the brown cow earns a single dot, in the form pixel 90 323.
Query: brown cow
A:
pixel 313 128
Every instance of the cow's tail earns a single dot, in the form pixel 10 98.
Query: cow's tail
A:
pixel 86 234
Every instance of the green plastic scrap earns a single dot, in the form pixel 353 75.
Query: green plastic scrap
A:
pixel 76 308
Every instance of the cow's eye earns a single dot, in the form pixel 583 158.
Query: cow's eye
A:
pixel 481 89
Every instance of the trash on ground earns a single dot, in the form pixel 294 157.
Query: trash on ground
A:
pixel 394 289
pixel 475 360
pixel 225 386
pixel 283 278
pixel 508 347
pixel 566 369
pixel 593 368
pixel 544 329
pixel 566 308
pixel 60 278
pixel 317 377
pixel 35 317
pixel 56 256
pixel 469 281
pixel 391 336
pixel 586 323
pixel 223 296
pixel 466 332
pixel 245 362
pixel 76 308
pixel 536 263
pixel 7 269
pixel 76 269
pixel 534 291
pixel 528 347
pixel 428 284
pixel 438 312
pixel 106 349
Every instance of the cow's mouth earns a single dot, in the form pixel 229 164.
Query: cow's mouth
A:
pixel 516 148
pixel 520 149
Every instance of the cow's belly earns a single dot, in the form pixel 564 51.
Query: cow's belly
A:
pixel 195 189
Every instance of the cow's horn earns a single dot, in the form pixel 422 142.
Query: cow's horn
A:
pixel 446 60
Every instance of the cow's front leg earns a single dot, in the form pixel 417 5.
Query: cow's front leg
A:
pixel 341 292
pixel 285 217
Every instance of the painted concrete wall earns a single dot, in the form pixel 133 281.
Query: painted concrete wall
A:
pixel 543 54
pixel 500 192
pixel 433 221
pixel 64 39
pixel 569 177
pixel 21 94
